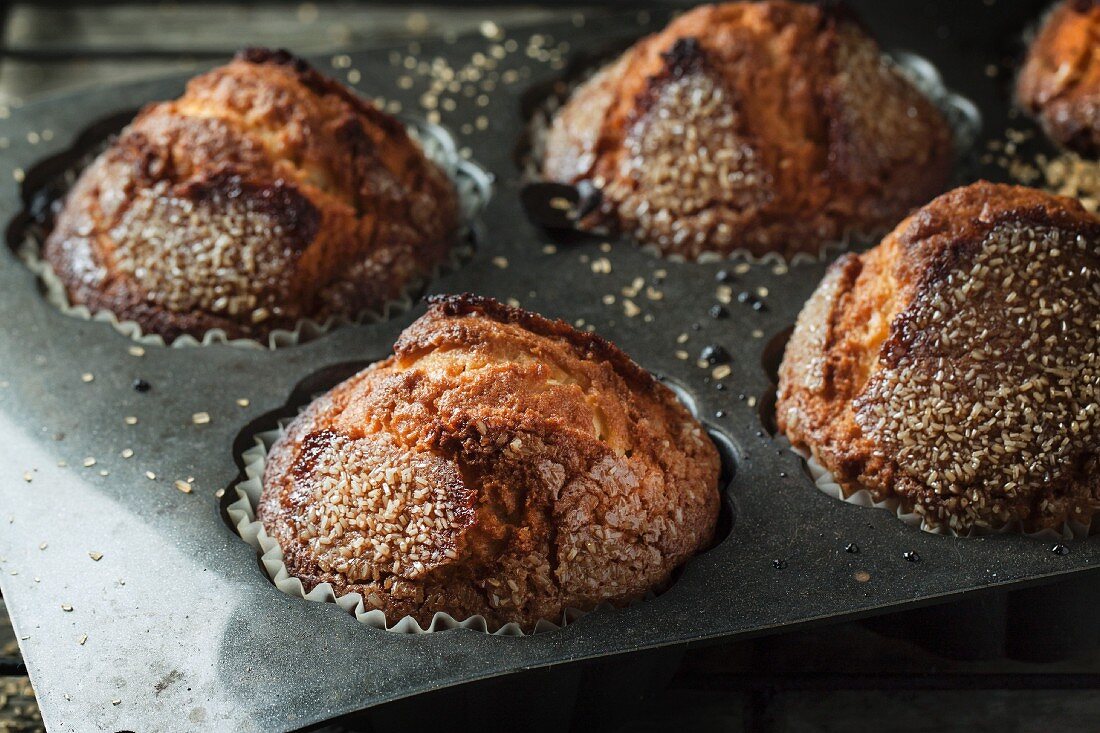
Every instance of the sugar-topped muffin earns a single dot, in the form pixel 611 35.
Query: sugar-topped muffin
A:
pixel 1060 81
pixel 766 126
pixel 955 367
pixel 266 194
pixel 499 464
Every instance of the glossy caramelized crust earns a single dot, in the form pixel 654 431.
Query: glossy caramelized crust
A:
pixel 955 366
pixel 1060 81
pixel 767 126
pixel 265 194
pixel 498 464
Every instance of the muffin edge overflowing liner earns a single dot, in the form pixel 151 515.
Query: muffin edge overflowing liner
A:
pixel 826 483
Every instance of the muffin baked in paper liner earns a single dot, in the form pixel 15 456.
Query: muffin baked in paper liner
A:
pixel 243 514
pixel 827 483
pixel 961 114
pixel 472 184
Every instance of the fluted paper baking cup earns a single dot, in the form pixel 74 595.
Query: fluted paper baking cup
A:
pixel 472 183
pixel 242 512
pixel 962 116
pixel 827 483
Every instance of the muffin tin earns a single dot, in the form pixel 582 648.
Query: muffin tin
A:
pixel 139 608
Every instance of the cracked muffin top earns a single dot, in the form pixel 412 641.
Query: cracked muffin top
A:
pixel 265 194
pixel 498 464
pixel 956 366
pixel 765 126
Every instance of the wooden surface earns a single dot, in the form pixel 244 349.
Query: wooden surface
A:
pixel 18 711
pixel 47 49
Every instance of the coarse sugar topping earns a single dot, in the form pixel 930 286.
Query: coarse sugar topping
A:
pixel 372 508
pixel 686 159
pixel 220 253
pixel 989 386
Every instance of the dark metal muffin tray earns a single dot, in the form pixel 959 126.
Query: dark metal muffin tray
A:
pixel 139 608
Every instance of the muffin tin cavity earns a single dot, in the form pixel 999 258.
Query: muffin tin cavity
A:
pixel 239 500
pixel 770 359
pixel 727 454
pixel 46 183
pixel 961 113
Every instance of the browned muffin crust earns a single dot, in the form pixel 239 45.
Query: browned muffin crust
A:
pixel 1060 81
pixel 267 193
pixel 499 464
pixel 767 126
pixel 955 366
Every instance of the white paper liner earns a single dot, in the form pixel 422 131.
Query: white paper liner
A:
pixel 962 116
pixel 242 512
pixel 472 183
pixel 826 483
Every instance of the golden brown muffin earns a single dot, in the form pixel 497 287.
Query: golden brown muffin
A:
pixel 955 366
pixel 1060 81
pixel 265 194
pixel 498 464
pixel 767 126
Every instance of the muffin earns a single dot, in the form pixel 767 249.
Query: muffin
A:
pixel 498 464
pixel 954 368
pixel 1060 81
pixel 763 126
pixel 266 194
